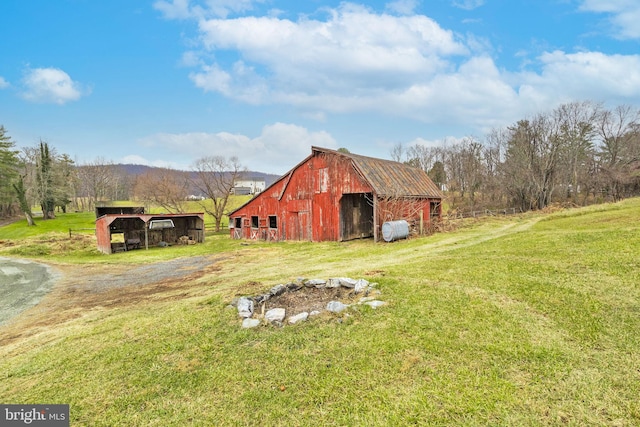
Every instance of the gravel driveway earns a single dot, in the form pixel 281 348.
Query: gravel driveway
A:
pixel 22 285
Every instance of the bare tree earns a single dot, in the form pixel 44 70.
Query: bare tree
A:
pixel 95 181
pixel 465 169
pixel 421 156
pixel 577 129
pixel 618 130
pixel 45 178
pixel 494 155
pixel 397 152
pixel 473 166
pixel 167 188
pixel 532 160
pixel 214 176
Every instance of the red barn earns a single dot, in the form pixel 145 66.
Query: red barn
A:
pixel 338 196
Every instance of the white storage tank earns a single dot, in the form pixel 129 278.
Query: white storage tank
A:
pixel 394 230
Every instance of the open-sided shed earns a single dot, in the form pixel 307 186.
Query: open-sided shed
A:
pixel 338 196
pixel 123 232
pixel 112 210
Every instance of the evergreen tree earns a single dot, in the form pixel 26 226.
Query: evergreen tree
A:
pixel 44 180
pixel 8 173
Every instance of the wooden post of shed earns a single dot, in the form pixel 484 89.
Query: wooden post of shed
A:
pixel 421 222
pixel 146 236
pixel 375 218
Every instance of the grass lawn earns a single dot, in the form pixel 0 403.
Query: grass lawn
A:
pixel 527 320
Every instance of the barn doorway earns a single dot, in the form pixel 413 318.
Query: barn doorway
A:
pixel 356 216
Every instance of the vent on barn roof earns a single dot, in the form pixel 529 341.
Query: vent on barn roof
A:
pixel 159 224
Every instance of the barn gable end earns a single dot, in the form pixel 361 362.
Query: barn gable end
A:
pixel 335 196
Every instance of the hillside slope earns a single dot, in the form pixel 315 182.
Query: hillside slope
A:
pixel 529 320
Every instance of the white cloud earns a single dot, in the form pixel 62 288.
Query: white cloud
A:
pixel 468 4
pixel 625 15
pixel 354 60
pixel 3 83
pixel 241 83
pixel 135 159
pixel 279 147
pixel 213 79
pixel 187 9
pixel 585 75
pixel 174 9
pixel 402 7
pixel 476 94
pixel 50 85
pixel 312 63
pixel 223 8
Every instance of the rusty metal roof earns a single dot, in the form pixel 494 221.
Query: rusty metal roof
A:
pixel 389 178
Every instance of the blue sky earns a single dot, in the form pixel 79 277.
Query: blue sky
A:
pixel 165 82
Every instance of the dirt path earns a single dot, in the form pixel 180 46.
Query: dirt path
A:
pixel 80 289
pixel 455 242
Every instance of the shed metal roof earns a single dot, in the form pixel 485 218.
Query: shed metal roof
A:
pixel 389 178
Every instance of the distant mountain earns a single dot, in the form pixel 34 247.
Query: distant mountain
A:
pixel 134 169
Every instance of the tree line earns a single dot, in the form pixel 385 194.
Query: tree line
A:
pixel 578 153
pixel 41 177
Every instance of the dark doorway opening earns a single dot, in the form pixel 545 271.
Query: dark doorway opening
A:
pixel 356 216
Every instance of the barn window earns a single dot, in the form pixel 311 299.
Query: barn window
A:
pixel 254 222
pixel 238 222
pixel 273 221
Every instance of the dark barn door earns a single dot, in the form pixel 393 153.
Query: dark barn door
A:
pixel 356 216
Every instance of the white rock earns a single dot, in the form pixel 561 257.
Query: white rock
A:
pixel 298 317
pixel 336 306
pixel 314 313
pixel 245 307
pixel 278 290
pixel 275 315
pixel 249 323
pixel 361 286
pixel 333 283
pixel 347 282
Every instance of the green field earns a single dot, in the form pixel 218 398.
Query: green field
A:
pixel 527 320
